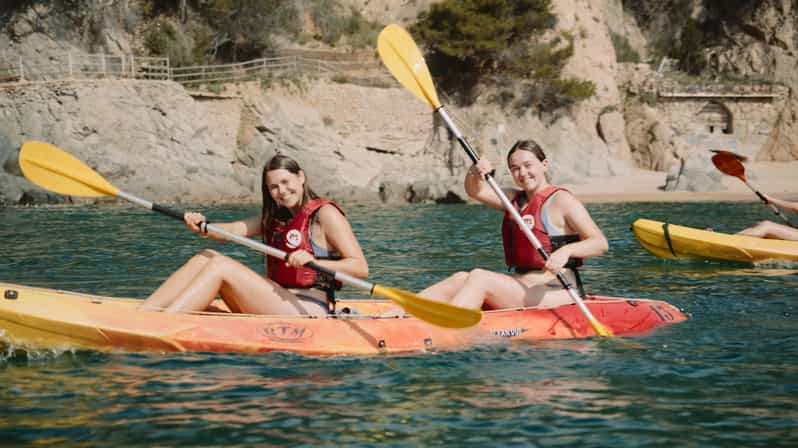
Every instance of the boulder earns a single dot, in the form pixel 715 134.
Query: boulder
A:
pixel 695 172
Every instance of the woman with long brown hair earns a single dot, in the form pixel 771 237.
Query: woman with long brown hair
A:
pixel 293 219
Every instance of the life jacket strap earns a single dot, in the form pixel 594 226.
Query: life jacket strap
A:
pixel 331 302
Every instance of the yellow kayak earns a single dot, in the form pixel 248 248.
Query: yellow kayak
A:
pixel 672 241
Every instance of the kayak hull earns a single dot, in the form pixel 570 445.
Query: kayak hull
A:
pixel 51 319
pixel 673 241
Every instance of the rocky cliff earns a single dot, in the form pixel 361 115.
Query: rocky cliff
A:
pixel 749 40
pixel 167 143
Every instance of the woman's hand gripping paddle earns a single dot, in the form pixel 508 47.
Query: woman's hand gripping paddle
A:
pixel 731 164
pixel 56 170
pixel 401 56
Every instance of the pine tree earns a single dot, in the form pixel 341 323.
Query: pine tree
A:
pixel 691 48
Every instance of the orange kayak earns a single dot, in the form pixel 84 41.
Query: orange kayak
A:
pixel 51 319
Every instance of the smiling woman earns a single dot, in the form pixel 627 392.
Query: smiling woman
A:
pixel 294 219
pixel 556 218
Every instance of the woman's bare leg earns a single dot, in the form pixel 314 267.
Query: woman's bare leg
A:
pixel 499 290
pixel 768 229
pixel 172 286
pixel 545 291
pixel 243 290
pixel 546 296
pixel 492 290
pixel 445 289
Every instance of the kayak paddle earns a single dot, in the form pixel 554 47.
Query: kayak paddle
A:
pixel 731 164
pixel 401 56
pixel 58 171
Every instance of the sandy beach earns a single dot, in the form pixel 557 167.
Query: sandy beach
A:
pixel 774 178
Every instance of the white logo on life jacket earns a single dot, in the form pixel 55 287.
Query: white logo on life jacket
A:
pixel 293 238
pixel 529 220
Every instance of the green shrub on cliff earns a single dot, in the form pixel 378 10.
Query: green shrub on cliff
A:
pixel 473 42
pixel 243 28
pixel 623 50
pixel 162 37
pixel 334 23
pixel 690 51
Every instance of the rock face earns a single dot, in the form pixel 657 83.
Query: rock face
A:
pixel 755 41
pixel 164 143
pixel 355 142
pixel 754 118
pixel 149 138
pixel 782 144
pixel 43 29
pixel 694 172
pixel 653 142
pixel 155 140
pixel 763 46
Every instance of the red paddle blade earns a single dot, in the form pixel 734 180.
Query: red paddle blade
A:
pixel 729 163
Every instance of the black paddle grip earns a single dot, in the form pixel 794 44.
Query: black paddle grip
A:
pixel 178 215
pixel 319 268
pixel 468 149
pixel 762 197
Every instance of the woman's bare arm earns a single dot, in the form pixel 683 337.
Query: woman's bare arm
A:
pixel 477 187
pixel 789 206
pixel 340 237
pixel 249 227
pixel 577 218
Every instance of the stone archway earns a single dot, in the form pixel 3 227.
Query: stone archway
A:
pixel 715 117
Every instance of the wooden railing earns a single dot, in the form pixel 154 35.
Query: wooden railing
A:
pixel 85 66
pixel 94 66
pixel 268 66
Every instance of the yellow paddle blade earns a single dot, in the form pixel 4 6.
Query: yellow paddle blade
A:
pixel 401 56
pixel 434 312
pixel 600 330
pixel 58 171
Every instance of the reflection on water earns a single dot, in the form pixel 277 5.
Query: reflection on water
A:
pixel 715 270
pixel 726 377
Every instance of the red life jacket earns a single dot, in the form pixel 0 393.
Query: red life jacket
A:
pixel 294 236
pixel 519 253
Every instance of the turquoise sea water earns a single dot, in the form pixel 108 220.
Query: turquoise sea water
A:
pixel 727 377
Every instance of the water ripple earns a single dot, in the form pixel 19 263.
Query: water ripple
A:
pixel 726 377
